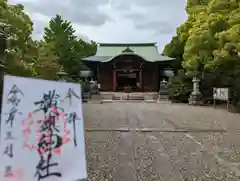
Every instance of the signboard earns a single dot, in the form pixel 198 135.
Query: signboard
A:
pixel 42 134
pixel 221 94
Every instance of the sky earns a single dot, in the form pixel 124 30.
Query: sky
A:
pixel 112 21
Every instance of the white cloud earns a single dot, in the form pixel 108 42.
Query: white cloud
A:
pixel 112 20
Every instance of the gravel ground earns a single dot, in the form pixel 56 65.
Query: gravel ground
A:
pixel 161 142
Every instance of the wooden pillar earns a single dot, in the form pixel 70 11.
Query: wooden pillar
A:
pixel 98 74
pixel 140 80
pixel 141 77
pixel 114 78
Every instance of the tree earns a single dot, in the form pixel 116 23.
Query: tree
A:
pixel 46 64
pixel 60 34
pixel 211 42
pixel 201 42
pixel 66 46
pixel 204 41
pixel 16 25
pixel 180 87
pixel 60 46
pixel 175 50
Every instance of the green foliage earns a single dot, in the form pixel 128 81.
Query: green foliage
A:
pixel 210 43
pixel 15 27
pixel 175 50
pixel 46 64
pixel 213 36
pixel 60 46
pixel 66 46
pixel 60 34
pixel 180 87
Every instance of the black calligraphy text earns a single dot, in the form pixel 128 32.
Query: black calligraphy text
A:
pixel 13 98
pixel 50 138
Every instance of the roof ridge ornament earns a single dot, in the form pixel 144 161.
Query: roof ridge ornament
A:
pixel 127 50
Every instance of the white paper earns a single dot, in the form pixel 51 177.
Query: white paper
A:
pixel 29 125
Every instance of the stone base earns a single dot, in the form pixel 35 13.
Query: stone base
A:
pixel 150 101
pixel 195 99
pixel 96 98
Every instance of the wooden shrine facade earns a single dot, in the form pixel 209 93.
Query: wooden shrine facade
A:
pixel 127 69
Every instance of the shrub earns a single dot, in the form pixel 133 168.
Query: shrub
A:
pixel 180 87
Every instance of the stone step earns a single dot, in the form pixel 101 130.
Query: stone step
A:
pixel 106 96
pixel 136 97
pixel 128 97
pixel 117 98
pixel 150 101
pixel 86 97
pixel 96 97
pixel 163 97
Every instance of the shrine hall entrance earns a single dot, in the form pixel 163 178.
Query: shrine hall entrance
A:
pixel 127 72
pixel 127 79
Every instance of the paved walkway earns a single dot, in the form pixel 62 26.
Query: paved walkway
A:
pixel 161 142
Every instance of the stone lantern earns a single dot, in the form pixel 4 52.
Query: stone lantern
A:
pixel 168 73
pixel 163 91
pixel 62 75
pixel 85 74
pixel 86 89
pixel 196 96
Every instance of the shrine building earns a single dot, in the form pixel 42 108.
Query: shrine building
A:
pixel 139 66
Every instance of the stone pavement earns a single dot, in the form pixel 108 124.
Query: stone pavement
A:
pixel 161 142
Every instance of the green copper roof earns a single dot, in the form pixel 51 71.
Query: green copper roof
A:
pixel 126 44
pixel 107 52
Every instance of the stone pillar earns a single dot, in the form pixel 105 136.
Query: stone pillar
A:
pixel 196 96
